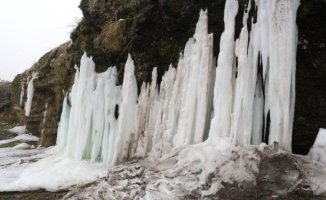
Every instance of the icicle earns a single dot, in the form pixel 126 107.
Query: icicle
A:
pixel 22 93
pixel 30 93
pixel 258 114
pixel 140 148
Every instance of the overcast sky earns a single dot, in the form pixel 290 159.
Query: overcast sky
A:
pixel 30 28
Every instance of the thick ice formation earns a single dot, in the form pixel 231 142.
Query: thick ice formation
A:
pixel 127 113
pixel 247 87
pixel 254 78
pixel 317 151
pixel 30 93
pixel 88 124
pixel 239 100
pixel 223 89
pixel 178 114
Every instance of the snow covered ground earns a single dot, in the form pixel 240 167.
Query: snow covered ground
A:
pixel 19 170
pixel 24 167
pixel 20 138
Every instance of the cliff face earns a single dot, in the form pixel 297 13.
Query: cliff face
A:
pixel 154 32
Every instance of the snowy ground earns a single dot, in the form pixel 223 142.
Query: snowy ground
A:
pixel 24 167
pixel 21 172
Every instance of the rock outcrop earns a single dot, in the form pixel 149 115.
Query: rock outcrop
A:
pixel 154 32
pixel 5 100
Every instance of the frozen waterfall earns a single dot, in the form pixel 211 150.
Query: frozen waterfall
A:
pixel 254 78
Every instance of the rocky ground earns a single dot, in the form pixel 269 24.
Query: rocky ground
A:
pixel 245 173
pixel 34 195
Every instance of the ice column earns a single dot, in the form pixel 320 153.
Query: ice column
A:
pixel 278 18
pixel 240 102
pixel 177 114
pixel 63 124
pixel 127 113
pixel 22 93
pixel 197 61
pixel 88 127
pixel 30 93
pixel 223 89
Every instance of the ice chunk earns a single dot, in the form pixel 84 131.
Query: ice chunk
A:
pixel 318 150
pixel 18 130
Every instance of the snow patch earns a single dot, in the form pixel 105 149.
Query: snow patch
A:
pixel 21 138
pixel 18 130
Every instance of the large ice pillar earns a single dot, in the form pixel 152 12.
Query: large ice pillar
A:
pixel 112 101
pixel 278 19
pixel 282 64
pixel 177 114
pixel 88 125
pixel 30 93
pixel 240 103
pixel 198 61
pixel 223 89
pixel 127 113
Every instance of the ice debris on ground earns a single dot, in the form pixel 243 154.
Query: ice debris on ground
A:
pixel 20 138
pixel 318 150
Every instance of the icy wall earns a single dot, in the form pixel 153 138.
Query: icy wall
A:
pixel 252 95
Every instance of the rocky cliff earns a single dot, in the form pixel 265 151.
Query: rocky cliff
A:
pixel 154 32
pixel 5 96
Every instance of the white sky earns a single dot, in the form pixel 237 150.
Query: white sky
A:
pixel 30 28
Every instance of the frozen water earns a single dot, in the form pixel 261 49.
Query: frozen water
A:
pixel 20 138
pixel 318 150
pixel 18 130
pixel 30 93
